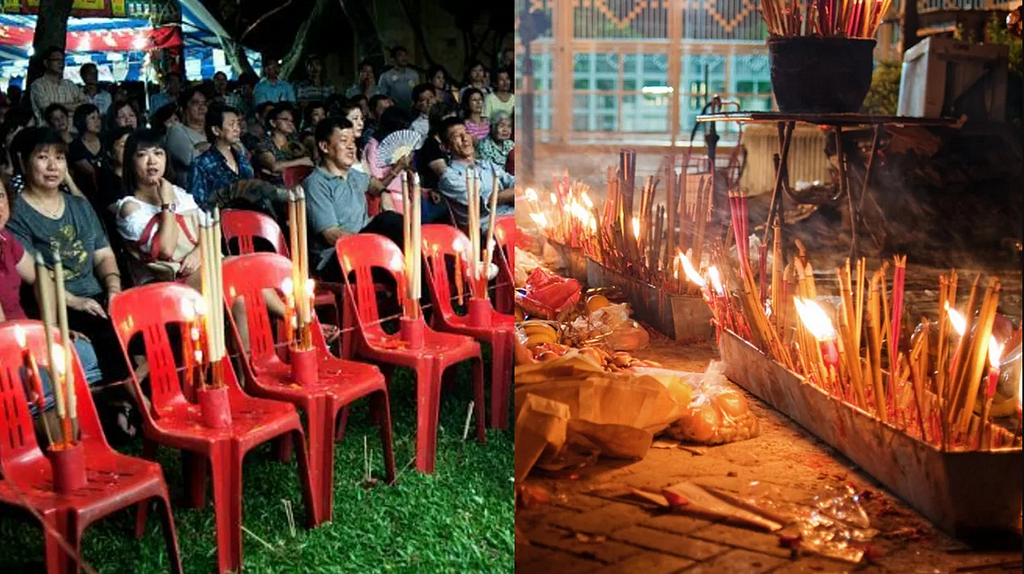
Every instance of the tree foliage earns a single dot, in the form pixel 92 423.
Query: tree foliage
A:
pixel 884 96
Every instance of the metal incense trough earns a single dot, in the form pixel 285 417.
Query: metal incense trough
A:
pixel 575 261
pixel 684 318
pixel 964 493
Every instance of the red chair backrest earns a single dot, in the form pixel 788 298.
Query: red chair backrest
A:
pixel 293 176
pixel 246 225
pixel 148 311
pixel 360 254
pixel 440 241
pixel 246 277
pixel 505 237
pixel 17 433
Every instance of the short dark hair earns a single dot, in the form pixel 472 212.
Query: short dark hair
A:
pixel 446 125
pixel 420 89
pixel 438 68
pixel 466 94
pixel 88 66
pixel 248 78
pixel 116 134
pixel 117 107
pixel 364 63
pixel 263 106
pixel 161 115
pixel 307 114
pixel 392 120
pixel 397 49
pixel 376 99
pixel 51 50
pixel 279 109
pixel 215 119
pixel 139 140
pixel 438 113
pixel 30 140
pixel 186 95
pixel 53 108
pixel 82 112
pixel 325 129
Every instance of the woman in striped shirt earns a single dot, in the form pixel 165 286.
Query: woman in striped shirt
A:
pixel 473 114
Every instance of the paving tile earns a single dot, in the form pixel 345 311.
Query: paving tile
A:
pixel 560 562
pixel 529 554
pixel 814 566
pixel 738 562
pixel 608 551
pixel 604 520
pixel 743 538
pixel 648 563
pixel 676 523
pixel 669 543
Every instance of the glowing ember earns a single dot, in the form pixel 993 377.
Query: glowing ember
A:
pixel 586 200
pixel 19 336
pixel 815 319
pixel 995 352
pixel 539 219
pixel 691 272
pixel 636 227
pixel 716 280
pixel 957 320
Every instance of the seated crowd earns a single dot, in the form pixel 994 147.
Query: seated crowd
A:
pixel 116 192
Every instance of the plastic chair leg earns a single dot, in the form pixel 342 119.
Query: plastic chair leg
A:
pixel 503 295
pixel 226 468
pixel 170 535
pixel 58 561
pixel 384 401
pixel 501 374
pixel 320 445
pixel 342 422
pixel 305 480
pixel 428 404
pixel 478 392
pixel 149 450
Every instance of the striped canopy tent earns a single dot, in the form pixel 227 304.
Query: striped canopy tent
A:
pixel 119 46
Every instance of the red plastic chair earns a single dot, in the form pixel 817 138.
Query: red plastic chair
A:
pixel 358 255
pixel 173 421
pixel 340 382
pixel 293 176
pixel 505 237
pixel 439 242
pixel 245 226
pixel 114 482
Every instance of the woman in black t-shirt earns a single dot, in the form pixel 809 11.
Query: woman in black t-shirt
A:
pixel 86 153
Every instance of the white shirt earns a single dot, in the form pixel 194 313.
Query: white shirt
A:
pixel 131 227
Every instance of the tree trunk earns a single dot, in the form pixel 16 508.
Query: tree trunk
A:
pixel 412 10
pixel 51 30
pixel 368 39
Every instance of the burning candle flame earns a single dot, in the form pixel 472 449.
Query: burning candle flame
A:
pixel 287 287
pixel 995 352
pixel 636 227
pixel 531 194
pixel 310 287
pixel 716 280
pixel 593 224
pixel 19 336
pixel 200 306
pixel 815 319
pixel 691 272
pixel 188 310
pixel 957 320
pixel 554 198
pixel 586 200
pixel 540 219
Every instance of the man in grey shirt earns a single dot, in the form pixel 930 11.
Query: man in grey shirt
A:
pixel 336 197
pixel 453 185
pixel 398 82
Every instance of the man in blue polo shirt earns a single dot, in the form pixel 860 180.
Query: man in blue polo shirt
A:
pixel 336 197
pixel 271 88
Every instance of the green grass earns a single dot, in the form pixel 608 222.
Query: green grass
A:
pixel 461 519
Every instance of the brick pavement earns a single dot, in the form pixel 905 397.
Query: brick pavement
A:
pixel 588 526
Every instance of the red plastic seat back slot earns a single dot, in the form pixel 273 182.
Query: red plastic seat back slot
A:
pixel 245 226
pixel 359 254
